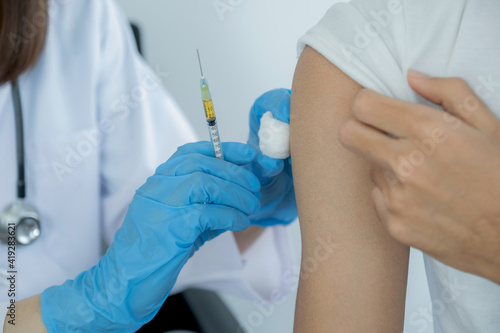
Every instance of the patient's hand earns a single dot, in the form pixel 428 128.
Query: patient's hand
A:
pixel 437 181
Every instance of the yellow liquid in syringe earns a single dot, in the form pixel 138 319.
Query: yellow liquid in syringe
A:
pixel 209 109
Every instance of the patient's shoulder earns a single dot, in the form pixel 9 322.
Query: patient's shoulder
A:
pixel 321 91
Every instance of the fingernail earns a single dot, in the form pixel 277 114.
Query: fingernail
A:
pixel 418 74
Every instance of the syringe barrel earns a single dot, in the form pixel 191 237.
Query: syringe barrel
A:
pixel 213 130
pixel 215 138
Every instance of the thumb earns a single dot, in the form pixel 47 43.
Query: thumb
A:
pixel 457 98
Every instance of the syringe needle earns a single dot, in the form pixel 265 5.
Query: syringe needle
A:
pixel 199 60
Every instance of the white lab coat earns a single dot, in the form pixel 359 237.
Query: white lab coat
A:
pixel 97 123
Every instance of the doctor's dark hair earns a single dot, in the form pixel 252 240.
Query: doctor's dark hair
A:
pixel 23 29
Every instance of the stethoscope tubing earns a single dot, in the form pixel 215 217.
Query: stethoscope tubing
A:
pixel 18 111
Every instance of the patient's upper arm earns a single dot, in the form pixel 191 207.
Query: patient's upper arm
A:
pixel 358 282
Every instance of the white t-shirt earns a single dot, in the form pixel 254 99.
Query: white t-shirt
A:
pixel 376 42
pixel 97 123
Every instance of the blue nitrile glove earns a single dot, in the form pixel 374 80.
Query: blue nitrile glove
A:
pixel 278 204
pixel 191 198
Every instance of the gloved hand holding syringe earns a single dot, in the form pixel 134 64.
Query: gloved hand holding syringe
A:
pixel 191 199
pixel 269 136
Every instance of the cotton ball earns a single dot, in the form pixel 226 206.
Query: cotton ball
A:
pixel 274 137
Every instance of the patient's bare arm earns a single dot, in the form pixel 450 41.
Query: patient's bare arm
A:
pixel 360 284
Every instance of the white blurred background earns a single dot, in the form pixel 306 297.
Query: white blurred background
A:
pixel 248 47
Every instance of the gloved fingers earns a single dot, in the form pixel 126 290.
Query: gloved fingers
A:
pixel 266 168
pixel 195 162
pixel 216 217
pixel 278 202
pixel 234 152
pixel 269 167
pixel 278 102
pixel 213 190
pixel 199 188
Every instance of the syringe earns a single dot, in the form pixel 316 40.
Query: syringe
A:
pixel 210 113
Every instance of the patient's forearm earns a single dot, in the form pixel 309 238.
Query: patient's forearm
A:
pixel 358 284
pixel 27 317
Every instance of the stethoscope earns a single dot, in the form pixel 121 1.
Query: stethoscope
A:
pixel 20 221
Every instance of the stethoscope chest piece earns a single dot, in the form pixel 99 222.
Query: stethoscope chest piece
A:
pixel 20 222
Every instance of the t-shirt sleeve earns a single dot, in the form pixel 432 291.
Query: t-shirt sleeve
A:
pixel 364 39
